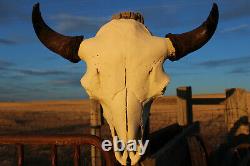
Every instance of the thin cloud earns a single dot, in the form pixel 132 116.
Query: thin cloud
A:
pixel 226 62
pixel 41 72
pixel 176 74
pixel 71 23
pixel 74 82
pixel 5 64
pixel 6 9
pixel 11 11
pixel 171 17
pixel 239 28
pixel 17 92
pixel 10 68
pixel 7 41
pixel 156 16
pixel 240 71
pixel 236 10
pixel 70 80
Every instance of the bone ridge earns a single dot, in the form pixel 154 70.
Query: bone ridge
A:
pixel 129 15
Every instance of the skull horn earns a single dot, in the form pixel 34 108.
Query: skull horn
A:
pixel 66 46
pixel 190 41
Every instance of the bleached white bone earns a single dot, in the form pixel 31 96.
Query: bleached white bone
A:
pixel 124 69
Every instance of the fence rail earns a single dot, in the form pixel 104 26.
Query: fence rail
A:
pixel 208 101
pixel 54 140
pixel 235 105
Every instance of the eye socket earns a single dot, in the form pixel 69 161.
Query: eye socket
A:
pixel 163 90
pixel 149 72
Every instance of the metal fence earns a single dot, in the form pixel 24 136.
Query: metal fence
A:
pixel 55 140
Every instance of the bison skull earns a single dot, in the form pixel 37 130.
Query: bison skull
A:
pixel 125 67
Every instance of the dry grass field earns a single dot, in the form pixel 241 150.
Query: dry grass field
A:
pixel 43 117
pixel 72 117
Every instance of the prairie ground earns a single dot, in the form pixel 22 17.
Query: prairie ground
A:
pixel 72 117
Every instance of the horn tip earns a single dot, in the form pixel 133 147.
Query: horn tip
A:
pixel 36 5
pixel 215 5
pixel 215 12
pixel 36 11
pixel 215 8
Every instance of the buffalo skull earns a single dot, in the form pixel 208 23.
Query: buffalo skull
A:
pixel 125 67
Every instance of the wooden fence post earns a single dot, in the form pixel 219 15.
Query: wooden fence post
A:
pixel 184 106
pixel 95 124
pixel 236 114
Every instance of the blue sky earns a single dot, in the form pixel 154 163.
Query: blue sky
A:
pixel 29 71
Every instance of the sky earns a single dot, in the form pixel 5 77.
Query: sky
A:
pixel 29 71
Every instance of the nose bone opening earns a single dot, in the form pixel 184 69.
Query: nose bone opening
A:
pixel 118 145
pixel 132 154
pixel 128 163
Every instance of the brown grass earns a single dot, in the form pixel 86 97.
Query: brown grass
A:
pixel 43 117
pixel 71 117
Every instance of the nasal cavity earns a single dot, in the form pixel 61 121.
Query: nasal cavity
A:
pixel 128 163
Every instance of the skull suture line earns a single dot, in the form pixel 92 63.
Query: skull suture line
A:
pixel 125 66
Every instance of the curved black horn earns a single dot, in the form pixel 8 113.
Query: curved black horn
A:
pixel 190 41
pixel 66 46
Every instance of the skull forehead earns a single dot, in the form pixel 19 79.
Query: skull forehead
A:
pixel 124 40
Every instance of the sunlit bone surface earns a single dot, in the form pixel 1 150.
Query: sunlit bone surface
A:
pixel 124 67
pixel 124 70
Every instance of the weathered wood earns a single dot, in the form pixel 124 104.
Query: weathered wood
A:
pixel 20 155
pixel 208 101
pixel 53 155
pixel 239 155
pixel 175 151
pixel 184 106
pixel 197 152
pixel 236 114
pixel 95 114
pixel 95 123
pixel 76 155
